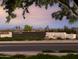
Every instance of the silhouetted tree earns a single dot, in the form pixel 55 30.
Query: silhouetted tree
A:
pixel 47 28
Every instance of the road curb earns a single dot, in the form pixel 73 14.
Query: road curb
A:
pixel 44 41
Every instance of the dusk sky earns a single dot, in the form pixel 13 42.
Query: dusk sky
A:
pixel 38 17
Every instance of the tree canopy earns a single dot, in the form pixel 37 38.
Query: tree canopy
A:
pixel 69 8
pixel 27 28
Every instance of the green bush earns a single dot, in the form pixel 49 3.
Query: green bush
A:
pixel 25 36
pixel 69 51
pixel 18 56
pixel 70 56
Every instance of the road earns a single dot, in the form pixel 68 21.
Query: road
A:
pixel 12 47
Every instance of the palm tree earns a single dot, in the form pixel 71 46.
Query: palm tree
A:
pixel 68 10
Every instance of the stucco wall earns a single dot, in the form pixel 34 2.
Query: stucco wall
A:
pixel 6 35
pixel 62 35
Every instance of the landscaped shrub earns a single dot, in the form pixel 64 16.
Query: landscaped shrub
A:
pixel 68 51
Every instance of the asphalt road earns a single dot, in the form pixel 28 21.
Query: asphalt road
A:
pixel 12 47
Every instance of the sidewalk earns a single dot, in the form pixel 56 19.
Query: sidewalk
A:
pixel 42 41
pixel 34 53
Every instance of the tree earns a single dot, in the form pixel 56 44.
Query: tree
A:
pixel 71 12
pixel 27 28
pixel 69 30
pixel 65 28
pixel 47 28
